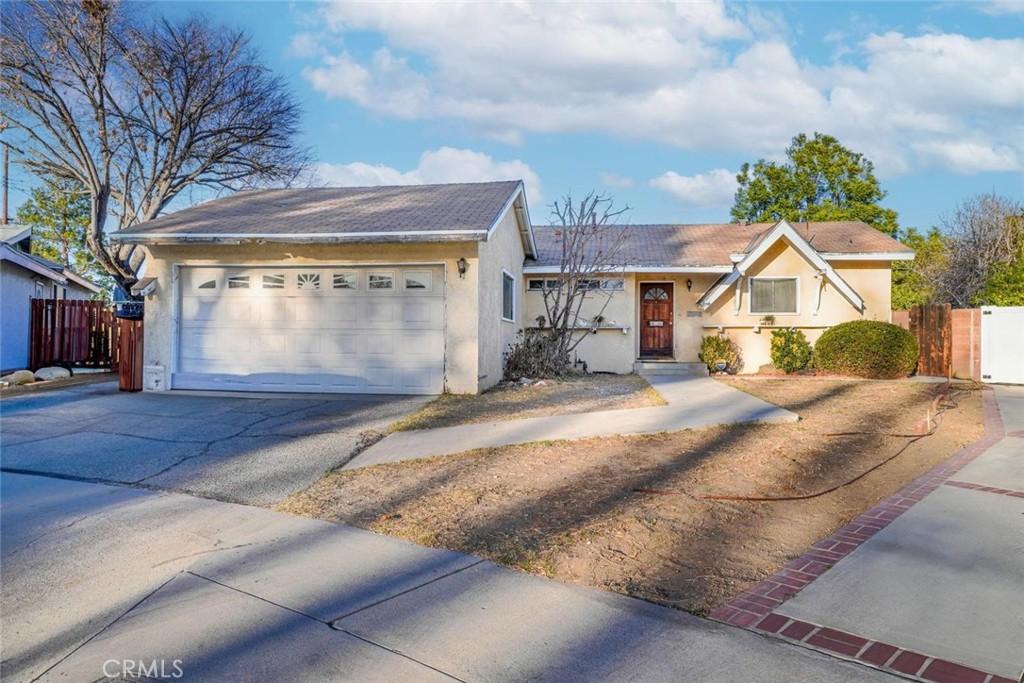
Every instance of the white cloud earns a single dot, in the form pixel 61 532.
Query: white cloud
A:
pixel 972 156
pixel 712 189
pixel 1001 7
pixel 443 165
pixel 691 75
pixel 615 180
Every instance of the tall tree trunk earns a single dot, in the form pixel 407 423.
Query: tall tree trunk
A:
pixel 97 219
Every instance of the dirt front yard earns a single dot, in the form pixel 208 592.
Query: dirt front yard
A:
pixel 578 393
pixel 626 514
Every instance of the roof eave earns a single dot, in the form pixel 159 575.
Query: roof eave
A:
pixel 301 238
pixel 630 268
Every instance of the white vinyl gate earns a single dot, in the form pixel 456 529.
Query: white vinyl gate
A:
pixel 312 329
pixel 1002 344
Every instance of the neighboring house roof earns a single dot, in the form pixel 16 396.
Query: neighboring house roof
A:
pixel 451 212
pixel 12 233
pixel 714 247
pixel 46 268
pixel 31 263
pixel 799 241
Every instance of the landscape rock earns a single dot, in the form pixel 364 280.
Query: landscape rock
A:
pixel 20 377
pixel 43 374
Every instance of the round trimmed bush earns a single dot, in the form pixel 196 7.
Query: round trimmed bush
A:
pixel 715 349
pixel 791 352
pixel 866 348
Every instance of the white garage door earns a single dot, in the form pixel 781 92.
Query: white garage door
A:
pixel 1002 331
pixel 357 330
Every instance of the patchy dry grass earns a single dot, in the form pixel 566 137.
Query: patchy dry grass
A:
pixel 572 394
pixel 627 514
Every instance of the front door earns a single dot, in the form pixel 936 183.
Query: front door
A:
pixel 656 319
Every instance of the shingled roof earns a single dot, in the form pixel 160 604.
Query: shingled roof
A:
pixel 712 244
pixel 409 212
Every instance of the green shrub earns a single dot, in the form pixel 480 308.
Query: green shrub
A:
pixel 717 349
pixel 866 348
pixel 791 352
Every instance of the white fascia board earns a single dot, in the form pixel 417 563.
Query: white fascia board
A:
pixel 234 238
pixel 525 227
pixel 719 288
pixel 869 256
pixel 781 230
pixel 8 253
pixel 697 270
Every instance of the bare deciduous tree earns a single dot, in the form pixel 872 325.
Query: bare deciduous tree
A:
pixel 138 111
pixel 589 244
pixel 982 232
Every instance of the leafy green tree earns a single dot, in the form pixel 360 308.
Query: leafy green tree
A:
pixel 913 282
pixel 1005 285
pixel 820 181
pixel 59 214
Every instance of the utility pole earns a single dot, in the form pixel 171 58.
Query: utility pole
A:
pixel 6 166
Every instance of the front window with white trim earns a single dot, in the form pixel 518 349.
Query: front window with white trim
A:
pixel 774 295
pixel 508 296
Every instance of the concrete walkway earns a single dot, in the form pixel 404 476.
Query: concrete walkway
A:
pixel 100 577
pixel 693 402
pixel 937 585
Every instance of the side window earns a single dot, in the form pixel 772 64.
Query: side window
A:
pixel 508 297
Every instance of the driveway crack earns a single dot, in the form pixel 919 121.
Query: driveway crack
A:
pixel 208 445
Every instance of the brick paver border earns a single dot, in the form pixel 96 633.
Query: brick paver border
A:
pixel 754 609
pixel 987 489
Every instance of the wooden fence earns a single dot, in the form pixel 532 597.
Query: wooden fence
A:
pixel 129 367
pixel 949 339
pixel 74 332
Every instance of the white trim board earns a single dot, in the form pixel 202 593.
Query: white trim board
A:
pixel 682 270
pixel 783 230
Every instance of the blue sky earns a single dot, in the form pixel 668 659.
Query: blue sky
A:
pixel 656 104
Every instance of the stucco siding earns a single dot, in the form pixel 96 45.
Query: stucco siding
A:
pixel 461 322
pixel 502 252
pixel 871 280
pixel 19 286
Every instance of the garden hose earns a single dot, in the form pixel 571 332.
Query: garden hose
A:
pixel 943 401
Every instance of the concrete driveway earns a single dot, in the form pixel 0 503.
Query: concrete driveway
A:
pixel 254 450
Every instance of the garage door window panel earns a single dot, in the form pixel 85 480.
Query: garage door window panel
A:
pixel 417 280
pixel 380 281
pixel 345 280
pixel 275 281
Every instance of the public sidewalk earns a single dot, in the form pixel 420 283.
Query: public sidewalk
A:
pixel 100 577
pixel 693 402
pixel 927 584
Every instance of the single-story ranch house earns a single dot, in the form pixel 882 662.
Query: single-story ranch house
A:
pixel 421 289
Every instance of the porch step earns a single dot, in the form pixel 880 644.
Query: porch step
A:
pixel 659 367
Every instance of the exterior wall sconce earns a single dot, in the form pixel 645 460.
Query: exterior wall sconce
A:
pixel 462 265
pixel 689 284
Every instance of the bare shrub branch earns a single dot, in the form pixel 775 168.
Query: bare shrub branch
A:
pixel 139 111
